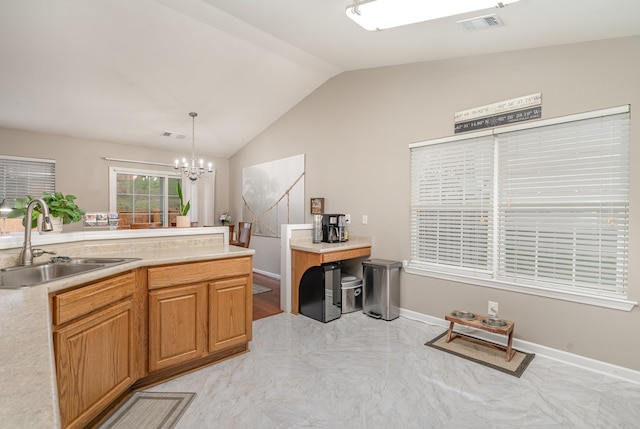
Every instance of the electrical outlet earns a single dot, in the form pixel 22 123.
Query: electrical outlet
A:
pixel 365 219
pixel 347 218
pixel 492 309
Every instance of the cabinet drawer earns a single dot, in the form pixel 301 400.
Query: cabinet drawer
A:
pixel 196 272
pixel 70 305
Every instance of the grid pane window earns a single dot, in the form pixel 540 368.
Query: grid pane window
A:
pixel 145 197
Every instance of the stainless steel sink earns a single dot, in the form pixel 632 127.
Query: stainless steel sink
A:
pixel 32 275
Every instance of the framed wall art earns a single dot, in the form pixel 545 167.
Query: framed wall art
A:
pixel 317 206
pixel 273 195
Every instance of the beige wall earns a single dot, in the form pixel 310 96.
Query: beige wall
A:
pixel 82 171
pixel 355 131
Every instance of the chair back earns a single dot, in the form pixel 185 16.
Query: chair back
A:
pixel 244 234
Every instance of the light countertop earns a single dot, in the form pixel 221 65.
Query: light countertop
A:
pixel 306 244
pixel 28 390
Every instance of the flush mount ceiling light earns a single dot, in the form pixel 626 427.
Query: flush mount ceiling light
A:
pixel 382 14
pixel 190 169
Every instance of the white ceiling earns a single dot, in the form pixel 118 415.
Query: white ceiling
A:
pixel 127 70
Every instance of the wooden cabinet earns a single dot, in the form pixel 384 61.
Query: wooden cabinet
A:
pixel 197 309
pixel 141 328
pixel 95 338
pixel 177 325
pixel 230 312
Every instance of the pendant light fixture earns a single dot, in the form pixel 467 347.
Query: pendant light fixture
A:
pixel 190 169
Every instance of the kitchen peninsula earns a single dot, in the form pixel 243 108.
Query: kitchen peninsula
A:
pixel 200 258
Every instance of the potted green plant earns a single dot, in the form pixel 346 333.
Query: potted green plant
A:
pixel 183 220
pixel 63 209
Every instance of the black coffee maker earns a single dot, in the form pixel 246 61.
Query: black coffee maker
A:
pixel 334 228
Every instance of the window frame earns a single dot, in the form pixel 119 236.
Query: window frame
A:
pixel 424 268
pixel 113 186
pixel 45 185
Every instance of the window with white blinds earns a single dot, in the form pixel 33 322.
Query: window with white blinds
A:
pixel 541 206
pixel 20 177
pixel 563 205
pixel 452 208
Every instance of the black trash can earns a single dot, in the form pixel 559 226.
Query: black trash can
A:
pixel 319 292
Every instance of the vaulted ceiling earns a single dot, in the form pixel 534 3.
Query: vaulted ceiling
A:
pixel 128 70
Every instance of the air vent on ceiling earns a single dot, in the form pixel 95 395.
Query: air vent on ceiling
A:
pixel 172 135
pixel 481 22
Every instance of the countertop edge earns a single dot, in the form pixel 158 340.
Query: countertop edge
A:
pixel 162 257
pixel 307 245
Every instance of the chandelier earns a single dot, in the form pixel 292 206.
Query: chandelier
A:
pixel 190 169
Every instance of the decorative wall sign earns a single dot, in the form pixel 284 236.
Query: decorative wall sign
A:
pixel 273 194
pixel 317 206
pixel 502 113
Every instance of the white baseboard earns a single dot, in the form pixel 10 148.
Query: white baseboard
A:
pixel 525 346
pixel 267 274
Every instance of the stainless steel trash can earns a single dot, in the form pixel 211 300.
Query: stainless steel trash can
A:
pixel 351 287
pixel 381 288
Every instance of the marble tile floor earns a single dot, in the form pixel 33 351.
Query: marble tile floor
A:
pixel 358 372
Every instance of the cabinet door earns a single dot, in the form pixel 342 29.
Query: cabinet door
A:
pixel 230 312
pixel 95 362
pixel 177 325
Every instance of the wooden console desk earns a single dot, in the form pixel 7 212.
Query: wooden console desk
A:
pixel 302 260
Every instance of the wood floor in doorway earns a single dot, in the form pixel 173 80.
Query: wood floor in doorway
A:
pixel 268 303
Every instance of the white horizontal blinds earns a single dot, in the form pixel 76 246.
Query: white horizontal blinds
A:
pixel 451 196
pixel 563 205
pixel 20 177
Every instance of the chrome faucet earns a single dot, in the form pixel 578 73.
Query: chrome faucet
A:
pixel 27 254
